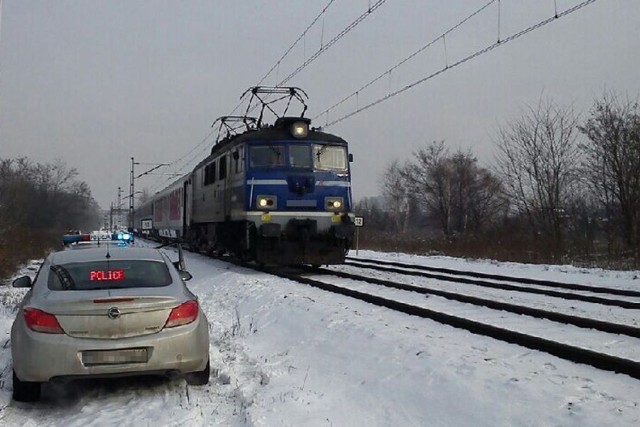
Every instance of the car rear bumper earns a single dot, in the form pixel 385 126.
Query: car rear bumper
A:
pixel 43 357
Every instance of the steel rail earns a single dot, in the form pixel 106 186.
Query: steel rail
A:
pixel 564 351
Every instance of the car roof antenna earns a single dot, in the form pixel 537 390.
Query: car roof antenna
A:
pixel 180 263
pixel 108 254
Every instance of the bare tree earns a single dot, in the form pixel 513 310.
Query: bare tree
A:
pixel 44 196
pixel 538 158
pixel 487 203
pixel 430 179
pixel 144 196
pixel 613 161
pixel 396 192
pixel 462 195
pixel 463 170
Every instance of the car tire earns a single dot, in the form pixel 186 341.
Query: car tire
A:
pixel 25 391
pixel 199 377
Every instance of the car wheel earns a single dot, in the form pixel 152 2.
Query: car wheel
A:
pixel 25 391
pixel 199 377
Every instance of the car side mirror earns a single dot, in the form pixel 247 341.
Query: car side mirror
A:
pixel 350 158
pixel 185 275
pixel 22 282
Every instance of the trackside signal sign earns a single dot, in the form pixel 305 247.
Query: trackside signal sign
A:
pixel 358 221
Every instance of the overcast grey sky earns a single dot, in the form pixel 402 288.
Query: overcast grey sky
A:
pixel 96 82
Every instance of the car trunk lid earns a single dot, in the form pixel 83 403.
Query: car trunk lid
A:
pixel 113 317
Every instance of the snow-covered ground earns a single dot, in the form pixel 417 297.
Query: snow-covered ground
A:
pixel 291 355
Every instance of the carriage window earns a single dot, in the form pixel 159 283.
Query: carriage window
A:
pixel 300 156
pixel 266 156
pixel 330 157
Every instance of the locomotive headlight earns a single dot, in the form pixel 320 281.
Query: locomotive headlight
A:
pixel 299 129
pixel 334 203
pixel 266 202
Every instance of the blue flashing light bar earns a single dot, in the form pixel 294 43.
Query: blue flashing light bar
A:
pixel 122 236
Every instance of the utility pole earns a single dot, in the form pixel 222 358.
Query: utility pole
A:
pixel 119 207
pixel 131 224
pixel 111 218
pixel 132 191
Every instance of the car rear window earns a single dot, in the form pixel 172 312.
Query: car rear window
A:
pixel 108 275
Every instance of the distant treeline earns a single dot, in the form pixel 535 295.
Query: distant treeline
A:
pixel 562 189
pixel 37 203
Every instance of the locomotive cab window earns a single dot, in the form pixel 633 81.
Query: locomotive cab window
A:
pixel 329 157
pixel 300 156
pixel 266 156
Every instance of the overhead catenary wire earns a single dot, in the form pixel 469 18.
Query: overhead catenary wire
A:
pixel 275 66
pixel 304 33
pixel 158 184
pixel 462 61
pixel 323 49
pixel 333 41
pixel 388 72
pixel 294 44
pixel 406 59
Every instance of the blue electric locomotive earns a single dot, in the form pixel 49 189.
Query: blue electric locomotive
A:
pixel 277 194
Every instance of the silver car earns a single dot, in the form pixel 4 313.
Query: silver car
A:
pixel 107 311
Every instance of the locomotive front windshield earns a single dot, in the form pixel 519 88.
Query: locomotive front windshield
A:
pixel 302 156
pixel 329 157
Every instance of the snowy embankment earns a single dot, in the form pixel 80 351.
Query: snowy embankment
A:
pixel 291 355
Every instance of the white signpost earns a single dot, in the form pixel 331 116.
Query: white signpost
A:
pixel 358 221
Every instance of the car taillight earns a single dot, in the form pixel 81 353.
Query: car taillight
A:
pixel 183 314
pixel 40 321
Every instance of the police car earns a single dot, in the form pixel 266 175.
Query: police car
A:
pixel 107 310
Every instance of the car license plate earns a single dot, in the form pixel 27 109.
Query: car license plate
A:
pixel 114 357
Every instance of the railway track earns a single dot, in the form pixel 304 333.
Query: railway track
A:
pixel 583 322
pixel 334 281
pixel 542 287
pixel 524 280
pixel 322 278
